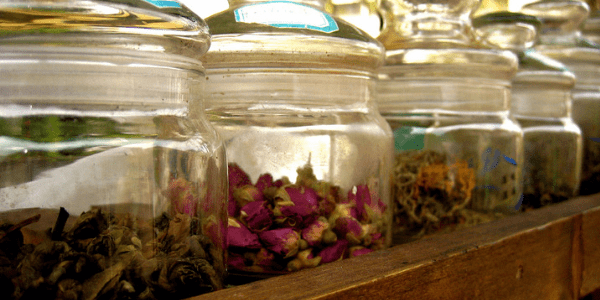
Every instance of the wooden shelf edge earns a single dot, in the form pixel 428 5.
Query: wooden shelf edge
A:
pixel 549 253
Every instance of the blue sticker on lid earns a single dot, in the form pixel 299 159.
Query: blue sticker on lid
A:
pixel 164 3
pixel 286 14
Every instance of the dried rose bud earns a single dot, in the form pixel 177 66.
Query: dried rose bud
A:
pixel 182 196
pixel 349 228
pixel 282 241
pixel 246 194
pixel 377 241
pixel 232 207
pixel 236 261
pixel 297 216
pixel 303 196
pixel 306 176
pixel 304 259
pixel 334 252
pixel 256 216
pixel 313 233
pixel 358 251
pixel 240 236
pixel 264 258
pixel 342 210
pixel 327 206
pixel 329 237
pixel 264 181
pixel 281 182
pixel 237 176
pixel 368 207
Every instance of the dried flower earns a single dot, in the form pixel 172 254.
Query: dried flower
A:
pixel 182 196
pixel 282 241
pixel 334 252
pixel 237 177
pixel 256 216
pixel 358 251
pixel 304 259
pixel 264 181
pixel 238 235
pixel 313 233
pixel 303 196
pixel 233 209
pixel 246 194
pixel 264 258
pixel 350 229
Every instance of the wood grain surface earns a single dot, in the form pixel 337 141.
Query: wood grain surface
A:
pixel 549 253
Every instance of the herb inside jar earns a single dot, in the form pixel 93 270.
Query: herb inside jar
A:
pixel 431 195
pixel 109 255
pixel 277 227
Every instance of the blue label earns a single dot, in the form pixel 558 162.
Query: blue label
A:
pixel 409 138
pixel 286 14
pixel 164 3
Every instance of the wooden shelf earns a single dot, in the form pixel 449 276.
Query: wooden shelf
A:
pixel 549 253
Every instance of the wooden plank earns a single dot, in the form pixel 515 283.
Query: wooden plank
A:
pixel 550 253
pixel 591 251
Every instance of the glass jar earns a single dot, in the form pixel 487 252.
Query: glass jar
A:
pixel 458 152
pixel 560 39
pixel 360 13
pixel 289 90
pixel 541 103
pixel 110 186
pixel 591 25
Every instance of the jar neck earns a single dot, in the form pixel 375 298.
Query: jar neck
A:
pixel 540 101
pixel 468 95
pixel 320 4
pixel 280 91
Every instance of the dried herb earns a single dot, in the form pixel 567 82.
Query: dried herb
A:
pixel 537 199
pixel 431 195
pixel 110 256
pixel 277 227
pixel 590 173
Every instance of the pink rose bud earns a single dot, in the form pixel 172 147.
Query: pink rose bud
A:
pixel 349 228
pixel 282 241
pixel 334 252
pixel 246 194
pixel 237 176
pixel 377 241
pixel 303 196
pixel 264 181
pixel 297 216
pixel 236 261
pixel 232 208
pixel 314 232
pixel 256 216
pixel 239 236
pixel 264 258
pixel 182 196
pixel 342 211
pixel 304 259
pixel 358 251
pixel 368 204
pixel 327 206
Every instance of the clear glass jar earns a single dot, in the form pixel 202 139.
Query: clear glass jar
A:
pixel 560 39
pixel 360 13
pixel 289 90
pixel 541 103
pixel 458 152
pixel 110 187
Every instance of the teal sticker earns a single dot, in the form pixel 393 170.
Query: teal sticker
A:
pixel 286 14
pixel 409 138
pixel 164 3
